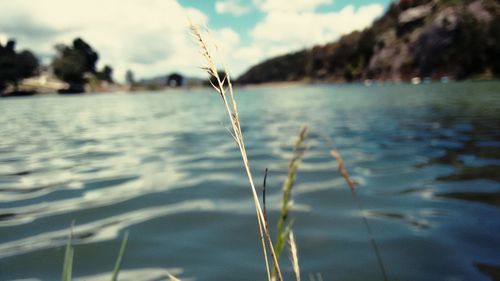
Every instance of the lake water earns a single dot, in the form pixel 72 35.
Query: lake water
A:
pixel 163 167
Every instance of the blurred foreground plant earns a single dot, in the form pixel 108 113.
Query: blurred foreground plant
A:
pixel 69 255
pixel 352 186
pixel 284 226
pixel 223 86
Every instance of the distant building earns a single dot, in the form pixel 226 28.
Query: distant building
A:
pixel 175 80
pixel 44 82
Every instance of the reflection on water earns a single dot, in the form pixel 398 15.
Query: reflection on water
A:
pixel 474 154
pixel 490 270
pixel 162 166
pixel 397 216
pixel 484 197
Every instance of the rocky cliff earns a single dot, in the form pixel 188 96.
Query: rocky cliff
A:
pixel 423 38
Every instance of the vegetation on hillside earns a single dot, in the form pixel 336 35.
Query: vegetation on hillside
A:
pixel 425 38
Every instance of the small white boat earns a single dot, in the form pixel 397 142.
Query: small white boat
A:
pixel 416 80
pixel 445 79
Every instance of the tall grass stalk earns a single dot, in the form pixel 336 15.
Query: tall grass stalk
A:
pixel 352 186
pixel 228 99
pixel 283 230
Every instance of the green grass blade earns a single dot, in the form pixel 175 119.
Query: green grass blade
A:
pixel 283 237
pixel 299 149
pixel 284 226
pixel 68 258
pixel 119 259
pixel 68 263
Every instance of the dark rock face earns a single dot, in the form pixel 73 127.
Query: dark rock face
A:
pixel 479 12
pixel 434 41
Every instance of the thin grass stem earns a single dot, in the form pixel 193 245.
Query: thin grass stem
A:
pixel 68 257
pixel 119 259
pixel 352 186
pixel 232 111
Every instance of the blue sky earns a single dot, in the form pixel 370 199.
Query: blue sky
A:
pixel 244 23
pixel 151 37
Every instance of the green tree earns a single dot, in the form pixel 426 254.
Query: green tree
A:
pixel 15 66
pixel 26 65
pixel 7 63
pixel 129 77
pixel 106 74
pixel 90 56
pixel 72 62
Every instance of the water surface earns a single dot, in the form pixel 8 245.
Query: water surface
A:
pixel 163 167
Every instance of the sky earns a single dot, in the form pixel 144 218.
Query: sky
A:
pixel 151 37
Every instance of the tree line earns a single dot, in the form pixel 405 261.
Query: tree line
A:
pixel 74 64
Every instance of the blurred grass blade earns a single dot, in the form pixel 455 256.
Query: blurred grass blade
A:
pixel 294 256
pixel 68 263
pixel 315 277
pixel 172 278
pixel 119 259
pixel 284 226
pixel 352 185
pixel 299 149
pixel 68 258
pixel 343 171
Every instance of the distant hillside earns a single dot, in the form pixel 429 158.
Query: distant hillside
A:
pixel 425 38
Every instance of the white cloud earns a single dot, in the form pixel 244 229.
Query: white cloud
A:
pixel 251 54
pixel 290 5
pixel 287 31
pixel 226 39
pixel 3 38
pixel 150 37
pixel 233 7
